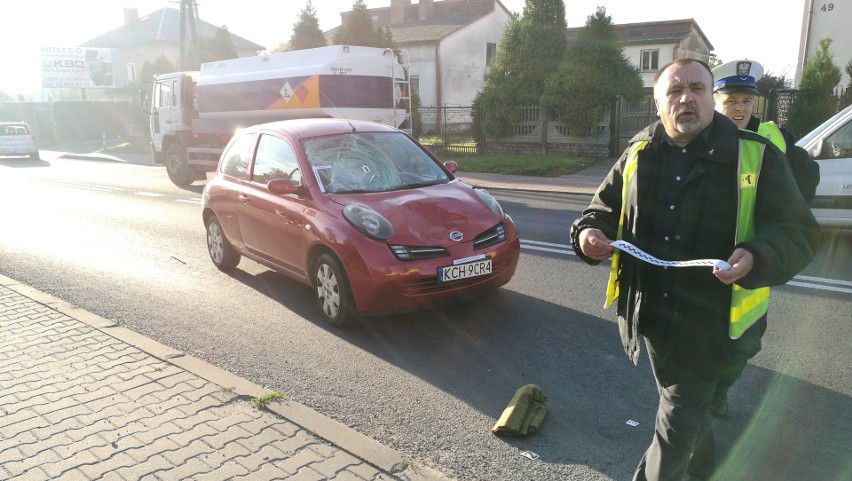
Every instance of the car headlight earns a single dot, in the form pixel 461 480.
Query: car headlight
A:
pixel 491 202
pixel 368 222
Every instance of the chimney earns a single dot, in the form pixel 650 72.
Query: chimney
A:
pixel 398 8
pixel 427 9
pixel 131 15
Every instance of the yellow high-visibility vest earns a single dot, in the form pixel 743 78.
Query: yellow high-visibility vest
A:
pixel 747 305
pixel 773 133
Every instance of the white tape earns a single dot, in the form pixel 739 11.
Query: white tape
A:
pixel 638 253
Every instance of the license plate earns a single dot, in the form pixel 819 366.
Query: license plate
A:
pixel 464 271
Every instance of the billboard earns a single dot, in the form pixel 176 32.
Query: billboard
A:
pixel 79 67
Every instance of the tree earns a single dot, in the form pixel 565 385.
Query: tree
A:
pixel 772 83
pixel 592 74
pixel 846 98
pixel 219 46
pixel 357 29
pixel 161 65
pixel 816 101
pixel 529 51
pixel 306 30
pixel 714 61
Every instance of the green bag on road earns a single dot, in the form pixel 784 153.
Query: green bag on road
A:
pixel 524 414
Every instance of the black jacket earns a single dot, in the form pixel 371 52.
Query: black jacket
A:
pixel 689 320
pixel 805 169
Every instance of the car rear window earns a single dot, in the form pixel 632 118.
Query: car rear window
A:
pixel 14 130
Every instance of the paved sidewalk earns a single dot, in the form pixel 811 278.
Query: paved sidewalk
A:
pixel 83 399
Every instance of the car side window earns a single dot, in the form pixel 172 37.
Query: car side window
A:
pixel 236 159
pixel 839 144
pixel 275 159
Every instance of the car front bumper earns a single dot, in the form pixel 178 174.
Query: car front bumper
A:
pixel 393 285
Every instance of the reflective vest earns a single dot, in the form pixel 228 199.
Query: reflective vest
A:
pixel 773 133
pixel 747 305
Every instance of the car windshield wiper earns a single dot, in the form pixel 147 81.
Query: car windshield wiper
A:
pixel 355 191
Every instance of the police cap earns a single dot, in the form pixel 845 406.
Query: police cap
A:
pixel 737 76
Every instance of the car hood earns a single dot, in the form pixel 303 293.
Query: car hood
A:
pixel 426 216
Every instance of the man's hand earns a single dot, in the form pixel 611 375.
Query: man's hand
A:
pixel 594 244
pixel 741 262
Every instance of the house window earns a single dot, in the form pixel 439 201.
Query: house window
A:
pixel 131 73
pixel 490 53
pixel 650 60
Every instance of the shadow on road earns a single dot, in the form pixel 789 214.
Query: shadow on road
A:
pixel 481 350
pixel 22 162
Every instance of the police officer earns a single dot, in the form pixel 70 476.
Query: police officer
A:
pixel 734 92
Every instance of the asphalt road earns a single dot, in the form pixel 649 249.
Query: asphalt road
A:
pixel 121 241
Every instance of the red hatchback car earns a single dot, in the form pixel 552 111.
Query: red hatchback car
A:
pixel 359 211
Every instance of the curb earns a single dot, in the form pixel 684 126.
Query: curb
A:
pixel 342 436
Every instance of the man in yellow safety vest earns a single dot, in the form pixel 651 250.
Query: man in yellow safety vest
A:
pixel 693 186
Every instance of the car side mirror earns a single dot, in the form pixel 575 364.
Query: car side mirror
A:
pixel 283 186
pixel 452 166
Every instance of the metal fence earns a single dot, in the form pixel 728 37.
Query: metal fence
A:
pixel 448 130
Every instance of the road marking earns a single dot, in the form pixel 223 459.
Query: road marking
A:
pixel 547 247
pixel 101 188
pixel 149 194
pixel 809 282
pixel 189 201
pixel 820 287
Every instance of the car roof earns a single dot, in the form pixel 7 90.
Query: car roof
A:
pixel 306 128
pixel 15 123
pixel 829 126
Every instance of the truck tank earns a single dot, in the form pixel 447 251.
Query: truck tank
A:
pixel 340 81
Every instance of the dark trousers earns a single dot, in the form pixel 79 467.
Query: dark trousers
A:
pixel 683 432
pixel 726 382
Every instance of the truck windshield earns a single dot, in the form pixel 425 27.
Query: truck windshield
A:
pixel 371 162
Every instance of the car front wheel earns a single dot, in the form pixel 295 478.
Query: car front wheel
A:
pixel 222 253
pixel 332 291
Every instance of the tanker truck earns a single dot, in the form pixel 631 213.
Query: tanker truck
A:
pixel 194 114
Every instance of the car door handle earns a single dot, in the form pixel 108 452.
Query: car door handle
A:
pixel 244 198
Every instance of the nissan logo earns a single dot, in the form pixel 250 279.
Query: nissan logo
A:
pixel 456 236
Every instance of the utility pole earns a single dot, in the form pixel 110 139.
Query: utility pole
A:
pixel 188 51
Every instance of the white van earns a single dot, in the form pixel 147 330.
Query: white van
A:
pixel 830 145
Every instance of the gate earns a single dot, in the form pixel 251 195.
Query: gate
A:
pixel 446 130
pixel 628 118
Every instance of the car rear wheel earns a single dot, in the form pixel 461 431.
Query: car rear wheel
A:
pixel 332 290
pixel 34 156
pixel 177 165
pixel 222 253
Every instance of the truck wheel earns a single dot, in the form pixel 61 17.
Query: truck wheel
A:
pixel 177 167
pixel 332 291
pixel 222 253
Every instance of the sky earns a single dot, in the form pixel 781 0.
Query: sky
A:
pixel 768 32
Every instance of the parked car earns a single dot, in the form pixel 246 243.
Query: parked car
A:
pixel 830 144
pixel 18 139
pixel 359 211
